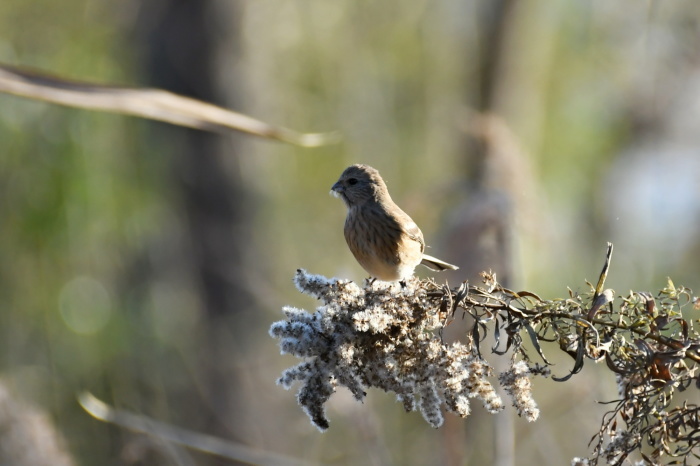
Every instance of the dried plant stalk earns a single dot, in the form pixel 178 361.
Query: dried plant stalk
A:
pixel 388 335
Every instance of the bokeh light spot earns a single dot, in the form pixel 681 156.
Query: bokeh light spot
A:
pixel 85 305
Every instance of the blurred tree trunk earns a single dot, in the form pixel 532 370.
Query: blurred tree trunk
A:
pixel 181 47
pixel 480 236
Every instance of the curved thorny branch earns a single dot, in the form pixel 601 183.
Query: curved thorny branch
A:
pixel 388 336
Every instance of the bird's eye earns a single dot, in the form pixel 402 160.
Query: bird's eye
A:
pixel 352 181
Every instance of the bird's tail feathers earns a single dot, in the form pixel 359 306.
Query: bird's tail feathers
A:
pixel 436 264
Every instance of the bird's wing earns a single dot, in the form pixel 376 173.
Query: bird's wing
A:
pixel 411 229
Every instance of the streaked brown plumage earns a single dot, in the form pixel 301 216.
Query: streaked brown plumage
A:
pixel 383 238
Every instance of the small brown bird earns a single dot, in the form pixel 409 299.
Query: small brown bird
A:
pixel 381 236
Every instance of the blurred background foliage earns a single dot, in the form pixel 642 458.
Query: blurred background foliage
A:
pixel 145 262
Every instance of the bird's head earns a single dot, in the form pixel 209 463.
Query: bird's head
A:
pixel 360 184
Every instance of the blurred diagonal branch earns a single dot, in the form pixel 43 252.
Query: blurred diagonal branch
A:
pixel 155 104
pixel 195 440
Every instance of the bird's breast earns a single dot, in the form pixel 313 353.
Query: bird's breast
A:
pixel 380 245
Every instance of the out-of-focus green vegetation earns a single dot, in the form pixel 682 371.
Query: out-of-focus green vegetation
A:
pixel 81 196
pixel 599 97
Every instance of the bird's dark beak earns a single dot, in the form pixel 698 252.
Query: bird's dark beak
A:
pixel 337 189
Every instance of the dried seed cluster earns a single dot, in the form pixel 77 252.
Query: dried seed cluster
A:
pixel 385 335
